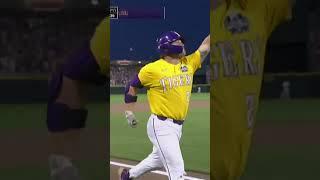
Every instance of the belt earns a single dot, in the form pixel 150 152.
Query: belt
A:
pixel 162 118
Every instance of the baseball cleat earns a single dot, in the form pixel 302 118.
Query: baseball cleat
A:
pixel 124 174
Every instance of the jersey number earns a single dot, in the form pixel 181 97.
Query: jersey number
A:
pixel 250 101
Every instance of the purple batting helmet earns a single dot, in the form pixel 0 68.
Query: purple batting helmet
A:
pixel 164 43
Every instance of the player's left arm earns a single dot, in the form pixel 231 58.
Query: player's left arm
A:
pixel 204 48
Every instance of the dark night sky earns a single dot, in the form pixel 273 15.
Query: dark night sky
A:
pixel 190 18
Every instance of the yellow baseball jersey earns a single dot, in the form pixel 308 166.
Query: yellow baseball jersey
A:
pixel 100 44
pixel 169 86
pixel 237 62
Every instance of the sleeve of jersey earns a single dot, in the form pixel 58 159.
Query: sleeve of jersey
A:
pixel 145 76
pixel 195 60
pixel 278 11
pixel 99 44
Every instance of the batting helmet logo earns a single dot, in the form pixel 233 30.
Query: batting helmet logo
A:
pixel 164 43
pixel 184 68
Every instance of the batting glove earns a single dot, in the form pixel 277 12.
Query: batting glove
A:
pixel 132 121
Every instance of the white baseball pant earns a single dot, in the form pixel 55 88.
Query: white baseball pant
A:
pixel 165 137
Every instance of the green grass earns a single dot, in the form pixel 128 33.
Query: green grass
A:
pixel 134 144
pixel 89 170
pixel 297 110
pixel 34 115
pixel 294 162
pixel 30 172
pixel 283 162
pixel 287 161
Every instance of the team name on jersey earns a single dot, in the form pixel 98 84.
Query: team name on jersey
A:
pixel 168 83
pixel 250 55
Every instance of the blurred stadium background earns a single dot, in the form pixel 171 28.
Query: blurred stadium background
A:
pixel 36 36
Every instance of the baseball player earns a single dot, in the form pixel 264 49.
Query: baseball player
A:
pixel 169 84
pixel 66 112
pixel 241 29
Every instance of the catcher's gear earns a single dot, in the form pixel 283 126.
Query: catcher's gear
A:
pixel 132 121
pixel 164 43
